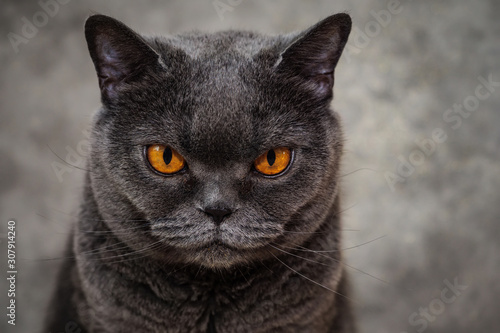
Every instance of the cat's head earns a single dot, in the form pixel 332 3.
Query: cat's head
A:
pixel 212 149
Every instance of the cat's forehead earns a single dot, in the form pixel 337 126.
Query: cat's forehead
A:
pixel 222 105
pixel 240 44
pixel 222 71
pixel 225 95
pixel 222 87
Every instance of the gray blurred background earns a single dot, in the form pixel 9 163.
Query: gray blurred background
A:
pixel 433 222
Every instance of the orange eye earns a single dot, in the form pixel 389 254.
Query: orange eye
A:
pixel 165 159
pixel 273 161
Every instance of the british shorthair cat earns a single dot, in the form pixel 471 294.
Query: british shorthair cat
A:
pixel 212 189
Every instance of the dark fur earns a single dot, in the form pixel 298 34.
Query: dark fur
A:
pixel 147 257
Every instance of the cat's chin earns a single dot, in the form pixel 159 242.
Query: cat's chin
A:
pixel 218 255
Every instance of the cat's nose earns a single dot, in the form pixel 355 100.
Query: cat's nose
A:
pixel 218 214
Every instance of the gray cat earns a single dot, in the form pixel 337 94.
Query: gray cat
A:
pixel 211 203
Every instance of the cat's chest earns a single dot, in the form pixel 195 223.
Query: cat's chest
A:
pixel 113 303
pixel 163 303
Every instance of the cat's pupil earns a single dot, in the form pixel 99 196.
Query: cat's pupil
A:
pixel 271 157
pixel 167 155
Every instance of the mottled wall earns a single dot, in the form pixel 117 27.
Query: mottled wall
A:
pixel 403 80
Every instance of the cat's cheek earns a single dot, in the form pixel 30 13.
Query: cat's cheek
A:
pixel 158 196
pixel 282 197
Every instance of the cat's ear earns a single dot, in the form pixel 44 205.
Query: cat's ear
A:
pixel 119 54
pixel 313 55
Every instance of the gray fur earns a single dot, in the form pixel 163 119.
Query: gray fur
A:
pixel 146 256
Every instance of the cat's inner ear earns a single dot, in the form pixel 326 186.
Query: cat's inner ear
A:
pixel 119 54
pixel 313 55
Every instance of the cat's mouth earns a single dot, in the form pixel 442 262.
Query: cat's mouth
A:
pixel 217 244
pixel 213 248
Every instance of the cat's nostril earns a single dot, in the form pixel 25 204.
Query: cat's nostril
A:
pixel 218 214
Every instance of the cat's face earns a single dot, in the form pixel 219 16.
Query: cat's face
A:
pixel 217 103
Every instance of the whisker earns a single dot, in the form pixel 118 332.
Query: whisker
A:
pixel 144 249
pixel 345 209
pixel 152 246
pixel 198 271
pixel 311 280
pixel 145 223
pixel 123 231
pixel 314 232
pixel 93 220
pixel 353 268
pixel 243 275
pixel 178 269
pixel 262 262
pixel 306 259
pixel 64 161
pixel 330 251
pixel 108 248
pixel 365 243
pixel 360 169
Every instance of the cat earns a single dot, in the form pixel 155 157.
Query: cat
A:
pixel 211 200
